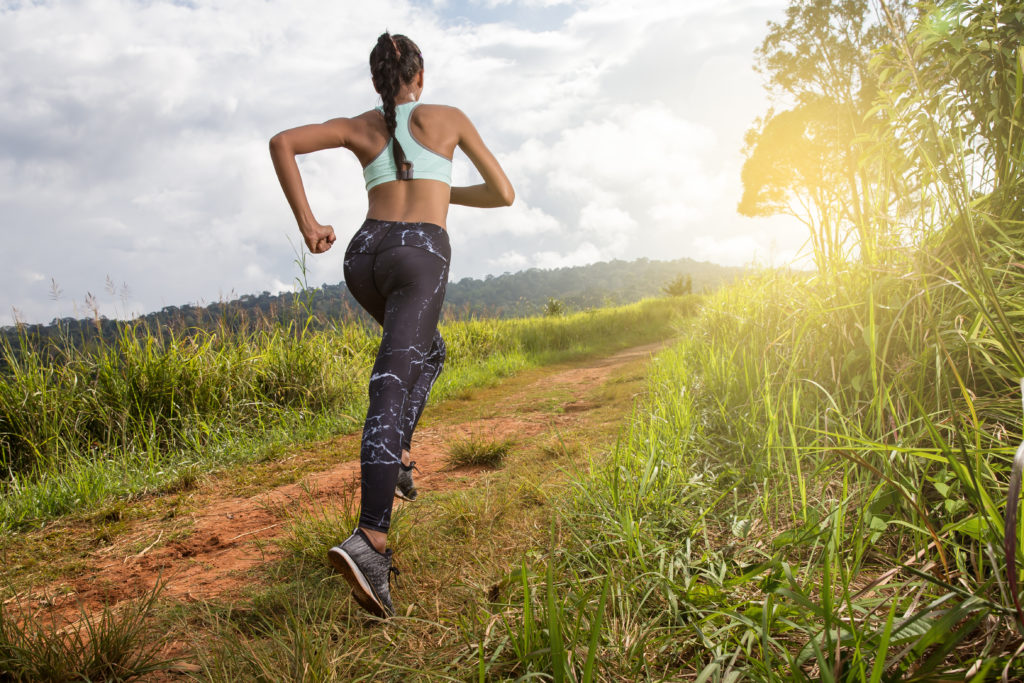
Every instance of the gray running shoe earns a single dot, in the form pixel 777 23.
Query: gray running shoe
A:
pixel 367 571
pixel 405 489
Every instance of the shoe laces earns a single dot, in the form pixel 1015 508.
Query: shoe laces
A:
pixel 392 569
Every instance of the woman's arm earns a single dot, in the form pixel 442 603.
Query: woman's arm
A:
pixel 496 189
pixel 303 140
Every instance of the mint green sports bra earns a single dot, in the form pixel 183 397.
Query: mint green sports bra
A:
pixel 424 163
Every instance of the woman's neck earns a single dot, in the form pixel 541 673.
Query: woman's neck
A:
pixel 405 96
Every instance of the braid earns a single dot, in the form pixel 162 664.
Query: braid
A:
pixel 394 60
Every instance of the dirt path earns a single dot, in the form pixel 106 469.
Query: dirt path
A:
pixel 229 535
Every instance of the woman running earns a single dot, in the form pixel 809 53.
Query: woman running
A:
pixel 396 267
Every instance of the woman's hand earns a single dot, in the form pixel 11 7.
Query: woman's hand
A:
pixel 319 238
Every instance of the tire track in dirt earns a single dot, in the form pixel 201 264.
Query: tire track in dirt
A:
pixel 230 535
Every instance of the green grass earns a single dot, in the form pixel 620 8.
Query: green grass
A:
pixel 297 611
pixel 764 515
pixel 478 450
pixel 453 549
pixel 813 489
pixel 817 484
pixel 107 645
pixel 144 415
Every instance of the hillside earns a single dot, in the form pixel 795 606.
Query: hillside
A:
pixel 598 284
pixel 508 295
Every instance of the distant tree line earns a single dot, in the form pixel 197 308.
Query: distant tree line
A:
pixel 524 293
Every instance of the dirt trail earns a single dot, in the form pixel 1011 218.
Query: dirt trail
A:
pixel 229 535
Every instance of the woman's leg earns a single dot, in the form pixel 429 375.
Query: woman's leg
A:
pixel 401 283
pixel 412 281
pixel 431 368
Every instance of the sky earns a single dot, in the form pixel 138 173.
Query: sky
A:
pixel 134 171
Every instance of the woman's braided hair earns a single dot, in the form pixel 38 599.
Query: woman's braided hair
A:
pixel 394 60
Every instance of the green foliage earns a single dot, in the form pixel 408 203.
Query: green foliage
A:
pixel 166 392
pixel 509 295
pixel 822 48
pixel 105 646
pixel 592 286
pixel 819 467
pixel 814 161
pixel 554 308
pixel 951 86
pixel 797 164
pixel 816 487
pixel 678 286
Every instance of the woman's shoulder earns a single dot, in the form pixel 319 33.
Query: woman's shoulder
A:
pixel 440 109
pixel 368 115
pixel 440 113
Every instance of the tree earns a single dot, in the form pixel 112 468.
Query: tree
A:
pixel 794 166
pixel 678 286
pixel 808 160
pixel 952 86
pixel 554 308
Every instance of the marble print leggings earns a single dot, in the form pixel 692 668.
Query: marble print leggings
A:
pixel 397 271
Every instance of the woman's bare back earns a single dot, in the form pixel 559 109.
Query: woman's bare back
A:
pixel 434 126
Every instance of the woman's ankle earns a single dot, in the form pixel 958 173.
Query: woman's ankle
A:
pixel 378 539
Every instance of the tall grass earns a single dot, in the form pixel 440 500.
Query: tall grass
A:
pixel 109 645
pixel 818 484
pixel 814 489
pixel 80 425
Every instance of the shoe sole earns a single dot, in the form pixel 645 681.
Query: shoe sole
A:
pixel 364 602
pixel 361 589
pixel 399 494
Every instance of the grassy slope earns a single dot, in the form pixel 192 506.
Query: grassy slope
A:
pixel 815 489
pixel 458 550
pixel 811 490
pixel 154 413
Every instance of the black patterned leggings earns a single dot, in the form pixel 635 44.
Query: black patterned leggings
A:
pixel 397 271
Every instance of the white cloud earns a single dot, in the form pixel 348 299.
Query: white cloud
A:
pixel 612 226
pixel 774 241
pixel 133 137
pixel 520 220
pixel 509 261
pixel 581 255
pixel 525 3
pixel 736 251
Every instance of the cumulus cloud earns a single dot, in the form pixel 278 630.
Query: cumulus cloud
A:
pixel 509 261
pixel 519 220
pixel 133 137
pixel 581 255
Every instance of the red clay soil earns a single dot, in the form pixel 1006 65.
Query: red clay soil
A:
pixel 212 561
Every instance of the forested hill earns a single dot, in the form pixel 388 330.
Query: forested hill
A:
pixel 508 295
pixel 612 282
